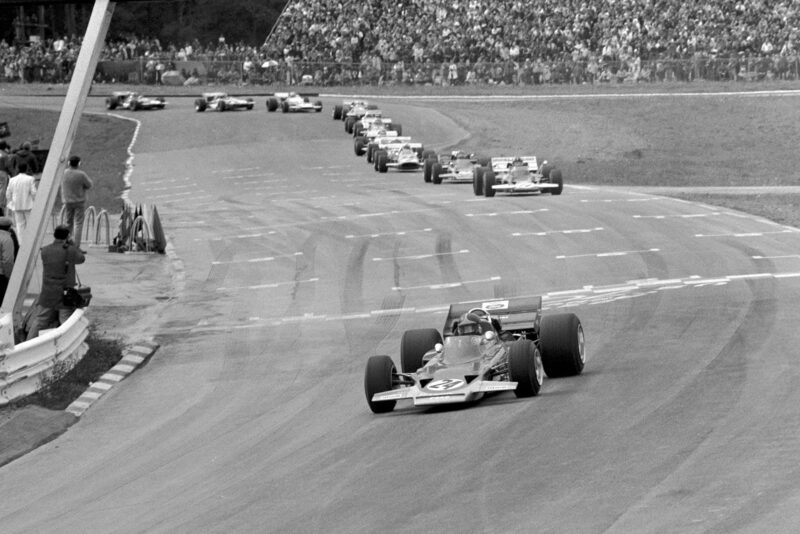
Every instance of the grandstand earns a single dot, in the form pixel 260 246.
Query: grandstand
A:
pixel 440 42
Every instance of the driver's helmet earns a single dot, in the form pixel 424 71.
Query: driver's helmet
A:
pixel 292 94
pixel 406 147
pixel 378 122
pixel 461 155
pixel 517 162
pixel 469 327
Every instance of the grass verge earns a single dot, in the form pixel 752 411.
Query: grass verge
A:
pixel 61 386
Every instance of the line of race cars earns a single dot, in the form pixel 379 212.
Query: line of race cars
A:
pixel 289 102
pixel 485 347
pixel 381 140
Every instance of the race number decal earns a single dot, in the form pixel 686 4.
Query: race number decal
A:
pixel 446 384
pixel 495 305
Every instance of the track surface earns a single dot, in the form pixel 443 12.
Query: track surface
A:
pixel 301 262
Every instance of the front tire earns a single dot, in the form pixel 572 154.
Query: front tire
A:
pixel 378 377
pixel 272 104
pixel 525 368
pixel 358 145
pixel 436 173
pixel 427 169
pixel 200 105
pixel 413 346
pixel 562 345
pixel 380 163
pixel 477 180
pixel 337 112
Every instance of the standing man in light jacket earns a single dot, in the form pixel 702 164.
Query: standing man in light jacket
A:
pixel 19 196
pixel 73 194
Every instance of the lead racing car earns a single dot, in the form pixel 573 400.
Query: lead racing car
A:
pixel 134 101
pixel 518 175
pixel 484 347
pixel 293 102
pixel 222 102
pixel 398 153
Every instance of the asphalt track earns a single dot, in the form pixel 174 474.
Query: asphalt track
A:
pixel 300 262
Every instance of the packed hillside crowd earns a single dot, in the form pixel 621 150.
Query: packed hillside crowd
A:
pixel 476 41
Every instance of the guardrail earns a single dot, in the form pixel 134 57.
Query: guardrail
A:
pixel 23 368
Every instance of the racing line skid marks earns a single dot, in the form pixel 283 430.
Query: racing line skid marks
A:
pixel 565 232
pixel 422 256
pixel 608 254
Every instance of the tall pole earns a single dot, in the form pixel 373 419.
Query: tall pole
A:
pixel 31 238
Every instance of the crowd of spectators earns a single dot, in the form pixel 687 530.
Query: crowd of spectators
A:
pixel 473 41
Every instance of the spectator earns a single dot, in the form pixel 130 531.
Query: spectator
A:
pixel 7 254
pixel 24 154
pixel 5 175
pixel 58 273
pixel 74 186
pixel 20 194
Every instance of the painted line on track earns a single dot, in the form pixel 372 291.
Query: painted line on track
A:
pixel 751 234
pixel 614 254
pixel 272 285
pixel 257 260
pixel 448 285
pixel 556 232
pixel 386 234
pixel 422 256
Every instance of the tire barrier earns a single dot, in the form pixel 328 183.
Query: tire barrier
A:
pixel 26 367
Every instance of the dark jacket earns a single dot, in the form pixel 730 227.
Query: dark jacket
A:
pixel 27 156
pixel 58 271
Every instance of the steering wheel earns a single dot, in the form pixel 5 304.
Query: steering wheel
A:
pixel 478 315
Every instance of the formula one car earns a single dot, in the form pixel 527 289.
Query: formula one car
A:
pixel 377 128
pixel 222 102
pixel 292 102
pixel 517 175
pixel 351 108
pixel 485 347
pixel 398 153
pixel 457 167
pixel 134 101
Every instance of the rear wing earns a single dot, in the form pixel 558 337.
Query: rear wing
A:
pixel 515 314
pixel 502 163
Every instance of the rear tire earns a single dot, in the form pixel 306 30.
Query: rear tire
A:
pixel 376 155
pixel 337 112
pixel 562 345
pixel 272 104
pixel 200 105
pixel 378 377
pixel 545 170
pixel 525 368
pixel 555 177
pixel 111 103
pixel 371 152
pixel 413 346
pixel 488 183
pixel 348 124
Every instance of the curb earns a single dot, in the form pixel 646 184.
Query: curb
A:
pixel 132 358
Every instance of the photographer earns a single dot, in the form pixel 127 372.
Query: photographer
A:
pixel 58 273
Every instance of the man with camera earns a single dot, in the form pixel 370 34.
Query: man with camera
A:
pixel 58 273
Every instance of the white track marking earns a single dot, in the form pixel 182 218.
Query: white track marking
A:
pixel 496 213
pixel 684 216
pixel 242 169
pixel 448 285
pixel 551 232
pixel 172 180
pixel 608 254
pixel 608 200
pixel 248 176
pixel 751 234
pixel 257 260
pixel 273 285
pixel 422 256
pixel 240 236
pixel 384 234
pixel 788 256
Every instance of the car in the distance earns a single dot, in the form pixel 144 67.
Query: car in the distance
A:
pixel 134 101
pixel 219 101
pixel 292 102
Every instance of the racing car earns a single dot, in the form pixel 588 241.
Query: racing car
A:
pixel 292 102
pixel 457 167
pixel 398 153
pixel 377 128
pixel 484 347
pixel 222 102
pixel 517 175
pixel 134 101
pixel 351 108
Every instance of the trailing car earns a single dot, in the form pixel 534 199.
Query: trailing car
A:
pixel 457 167
pixel 399 154
pixel 218 101
pixel 293 102
pixel 377 128
pixel 484 347
pixel 517 175
pixel 351 108
pixel 134 101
